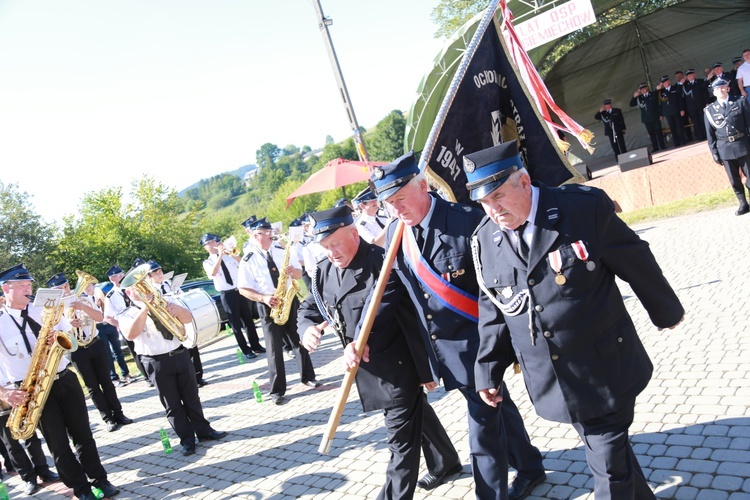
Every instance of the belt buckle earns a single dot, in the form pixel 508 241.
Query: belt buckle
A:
pixel 730 138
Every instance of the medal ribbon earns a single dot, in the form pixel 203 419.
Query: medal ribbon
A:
pixel 555 261
pixel 580 249
pixel 450 296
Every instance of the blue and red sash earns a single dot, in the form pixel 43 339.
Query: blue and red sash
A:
pixel 450 296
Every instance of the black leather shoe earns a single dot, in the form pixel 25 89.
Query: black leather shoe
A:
pixel 87 496
pixel 251 355
pixel 123 420
pixel 202 382
pixel 430 482
pixel 277 399
pixel 212 436
pixel 259 350
pixel 188 449
pixel 743 210
pixel 113 426
pixel 522 487
pixel 107 488
pixel 49 477
pixel 30 487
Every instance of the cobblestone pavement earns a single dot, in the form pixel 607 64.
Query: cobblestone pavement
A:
pixel 691 431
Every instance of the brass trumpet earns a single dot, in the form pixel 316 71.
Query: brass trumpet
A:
pixel 230 246
pixel 84 280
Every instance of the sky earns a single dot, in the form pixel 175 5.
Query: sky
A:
pixel 99 93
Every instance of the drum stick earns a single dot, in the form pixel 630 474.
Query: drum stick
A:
pixel 361 342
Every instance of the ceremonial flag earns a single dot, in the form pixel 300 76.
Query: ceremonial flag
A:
pixel 487 103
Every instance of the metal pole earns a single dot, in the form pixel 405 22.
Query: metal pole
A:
pixel 642 52
pixel 323 23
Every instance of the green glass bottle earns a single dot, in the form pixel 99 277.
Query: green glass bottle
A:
pixel 240 357
pixel 256 391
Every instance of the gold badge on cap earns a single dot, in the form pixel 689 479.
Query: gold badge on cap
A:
pixel 469 165
pixel 378 173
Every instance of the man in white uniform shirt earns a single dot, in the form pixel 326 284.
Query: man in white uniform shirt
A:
pixel 156 277
pixel 169 368
pixel 222 269
pixel 369 224
pixel 91 357
pixel 115 302
pixel 65 412
pixel 258 278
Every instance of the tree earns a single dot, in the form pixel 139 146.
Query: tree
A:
pixel 449 15
pixel 387 141
pixel 24 236
pixel 267 155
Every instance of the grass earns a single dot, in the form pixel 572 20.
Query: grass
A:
pixel 698 203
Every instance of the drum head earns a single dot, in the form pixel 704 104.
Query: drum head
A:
pixel 206 322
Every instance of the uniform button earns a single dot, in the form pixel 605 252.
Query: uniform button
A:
pixel 450 268
pixel 400 362
pixel 429 316
pixel 495 280
pixel 548 334
pixel 532 282
pixel 619 339
pixel 538 308
pixel 433 337
pixel 554 357
pixel 427 296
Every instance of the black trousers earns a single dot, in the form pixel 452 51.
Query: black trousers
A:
pixel 136 357
pixel 173 376
pixel 65 416
pixel 240 311
pixel 656 134
pixel 618 144
pixel 274 336
pixel 696 115
pixel 733 168
pixel 92 363
pixel 195 357
pixel 675 126
pixel 27 458
pixel 617 474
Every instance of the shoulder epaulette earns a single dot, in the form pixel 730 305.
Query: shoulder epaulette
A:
pixel 362 222
pixel 247 257
pixel 109 293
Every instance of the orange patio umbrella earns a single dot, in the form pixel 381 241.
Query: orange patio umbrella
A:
pixel 336 174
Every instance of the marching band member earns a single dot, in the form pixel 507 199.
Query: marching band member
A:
pixel 258 279
pixel 116 302
pixel 156 277
pixel 434 262
pixel 370 225
pixel 65 412
pixel 547 259
pixel 222 269
pixel 395 364
pixel 91 357
pixel 169 368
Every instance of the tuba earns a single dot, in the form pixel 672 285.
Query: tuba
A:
pixel 84 280
pixel 45 359
pixel 285 294
pixel 158 305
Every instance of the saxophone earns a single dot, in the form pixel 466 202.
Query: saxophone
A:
pixel 45 359
pixel 285 294
pixel 158 305
pixel 84 280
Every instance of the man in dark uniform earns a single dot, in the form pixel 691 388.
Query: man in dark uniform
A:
pixel 64 416
pixel 435 264
pixel 169 368
pixel 673 108
pixel 614 126
pixel 695 94
pixel 546 262
pixel 727 124
pixel 91 357
pixel 156 277
pixel 679 81
pixel 221 267
pixel 395 363
pixel 716 73
pixel 258 280
pixel 648 102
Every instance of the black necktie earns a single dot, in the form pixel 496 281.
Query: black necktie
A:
pixel 35 328
pixel 225 270
pixel 523 248
pixel 419 236
pixel 272 268
pixel 379 223
pixel 125 298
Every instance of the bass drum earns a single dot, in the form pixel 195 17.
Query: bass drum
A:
pixel 206 321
